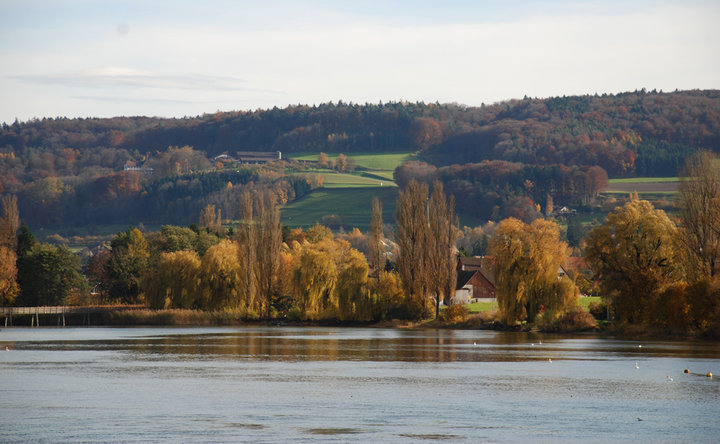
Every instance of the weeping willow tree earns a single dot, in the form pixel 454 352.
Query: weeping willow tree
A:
pixel 222 281
pixel 527 261
pixel 352 293
pixel 315 278
pixel 174 282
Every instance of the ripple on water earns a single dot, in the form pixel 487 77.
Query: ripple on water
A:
pixel 334 431
pixel 429 436
pixel 240 425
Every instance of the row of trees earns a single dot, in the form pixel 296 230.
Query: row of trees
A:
pixel 33 273
pixel 617 132
pixel 652 272
pixel 177 183
pixel 656 273
pixel 69 170
pixel 316 274
pixel 493 190
pixel 249 269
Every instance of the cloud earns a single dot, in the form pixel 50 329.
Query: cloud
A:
pixel 115 77
pixel 268 56
pixel 139 100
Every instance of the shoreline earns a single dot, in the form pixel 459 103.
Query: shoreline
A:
pixel 145 317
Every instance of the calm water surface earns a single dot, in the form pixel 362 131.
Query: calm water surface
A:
pixel 342 384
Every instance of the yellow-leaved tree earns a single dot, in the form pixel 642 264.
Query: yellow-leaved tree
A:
pixel 174 282
pixel 315 278
pixel 634 256
pixel 9 223
pixel 528 278
pixel 222 280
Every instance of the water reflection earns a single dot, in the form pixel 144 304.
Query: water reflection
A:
pixel 332 344
pixel 337 384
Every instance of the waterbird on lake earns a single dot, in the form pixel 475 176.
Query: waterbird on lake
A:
pixel 709 375
pixel 686 371
pixel 669 378
pixel 550 360
pixel 636 365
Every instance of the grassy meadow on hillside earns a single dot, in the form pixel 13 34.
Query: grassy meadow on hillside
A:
pixel 654 186
pixel 386 161
pixel 346 198
pixel 347 207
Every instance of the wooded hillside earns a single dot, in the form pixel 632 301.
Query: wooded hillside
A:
pixel 68 164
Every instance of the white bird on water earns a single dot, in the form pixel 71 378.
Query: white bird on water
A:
pixel 636 365
pixel 669 378
pixel 550 360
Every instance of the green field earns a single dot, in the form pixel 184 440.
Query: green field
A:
pixel 586 301
pixel 647 187
pixel 368 161
pixel 339 180
pixel 346 199
pixel 351 204
pixel 644 180
pixel 478 307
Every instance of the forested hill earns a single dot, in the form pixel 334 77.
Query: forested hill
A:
pixel 643 133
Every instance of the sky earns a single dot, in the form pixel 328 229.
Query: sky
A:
pixel 176 58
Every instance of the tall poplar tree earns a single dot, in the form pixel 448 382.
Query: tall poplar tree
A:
pixel 268 245
pixel 441 246
pixel 426 236
pixel 412 239
pixel 699 203
pixel 377 258
pixel 247 240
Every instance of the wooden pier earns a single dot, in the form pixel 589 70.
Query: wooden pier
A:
pixel 80 315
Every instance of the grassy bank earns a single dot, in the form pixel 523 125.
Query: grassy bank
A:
pixel 172 317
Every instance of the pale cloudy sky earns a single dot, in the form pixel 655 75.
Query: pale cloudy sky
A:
pixel 96 58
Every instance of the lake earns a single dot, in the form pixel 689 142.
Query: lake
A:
pixel 279 384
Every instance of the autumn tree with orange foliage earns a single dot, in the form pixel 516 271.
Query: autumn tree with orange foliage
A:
pixel 9 224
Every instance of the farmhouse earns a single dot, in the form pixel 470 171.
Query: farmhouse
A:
pixel 132 166
pixel 256 157
pixel 475 280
